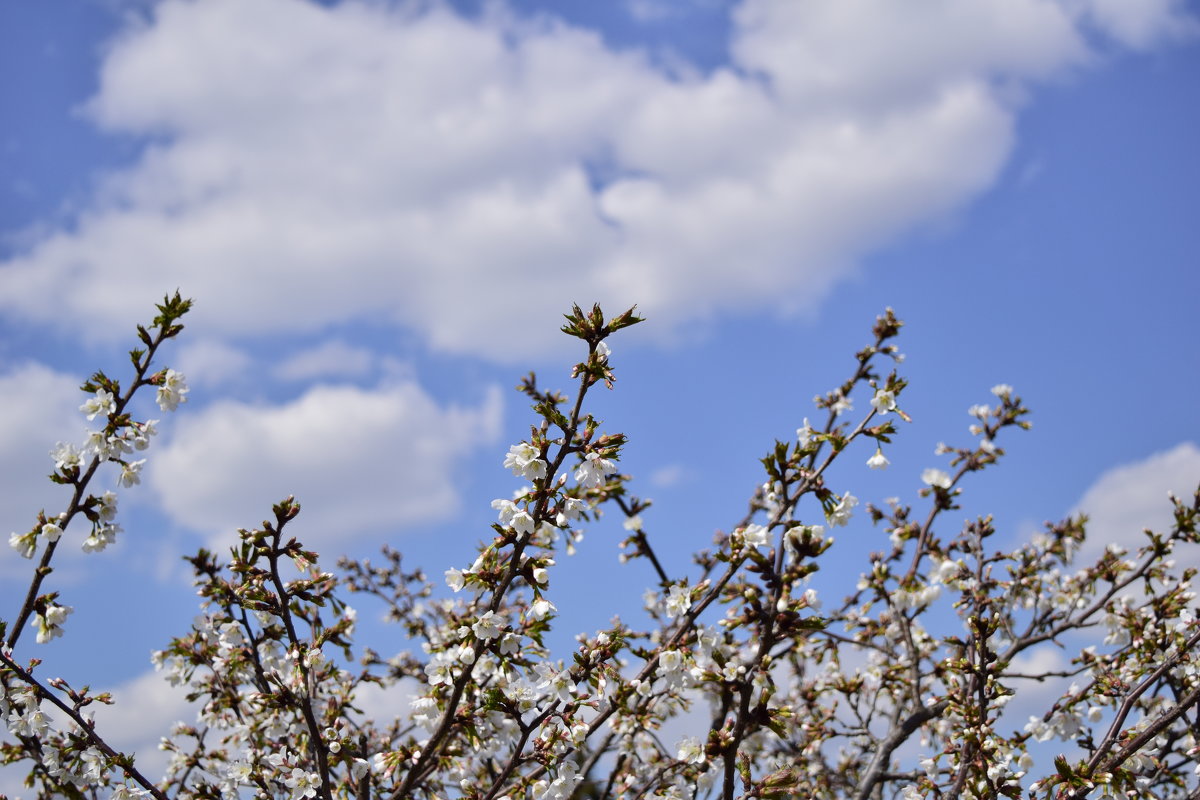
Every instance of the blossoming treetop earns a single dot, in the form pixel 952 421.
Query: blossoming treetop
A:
pixel 897 690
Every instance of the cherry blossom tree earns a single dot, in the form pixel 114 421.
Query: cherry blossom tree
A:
pixel 895 691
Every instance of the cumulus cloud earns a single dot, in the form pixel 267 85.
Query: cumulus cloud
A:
pixel 1129 498
pixel 358 461
pixel 369 160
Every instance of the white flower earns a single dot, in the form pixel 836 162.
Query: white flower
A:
pixel 842 404
pixel 172 390
pixel 303 783
pixel 840 515
pixel 603 351
pixel 690 751
pixel 521 522
pixel 487 626
pixel 572 508
pixel 879 460
pixel 756 535
pixel 100 446
pixel 979 410
pixel 23 544
pixel 49 624
pixel 525 462
pixel 101 403
pixel 505 510
pixel 804 435
pixel 593 469
pixel 93 761
pixel 1002 390
pixel 454 579
pixel 946 571
pixel 51 531
pixel 131 473
pixel 679 600
pixel 108 507
pixel 884 401
pixel 101 537
pixel 144 431
pixel 633 523
pixel 670 661
pixel 66 456
pixel 935 477
pixel 559 682
pixel 541 608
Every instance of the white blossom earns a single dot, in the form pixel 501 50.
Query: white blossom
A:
pixel 172 391
pixel 805 434
pixel 690 750
pixel 679 600
pixel 840 516
pixel 883 401
pixel 756 535
pixel 525 461
pixel 100 403
pixel 593 470
pixel 131 473
pixel 49 624
pixel 935 477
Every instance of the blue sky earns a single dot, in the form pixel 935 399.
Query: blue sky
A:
pixel 381 210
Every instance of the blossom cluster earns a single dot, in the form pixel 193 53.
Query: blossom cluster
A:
pixel 910 687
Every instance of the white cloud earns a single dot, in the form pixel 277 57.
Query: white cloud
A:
pixel 40 404
pixel 471 178
pixel 1142 24
pixel 1129 498
pixel 357 460
pixel 334 358
pixel 881 56
pixel 208 362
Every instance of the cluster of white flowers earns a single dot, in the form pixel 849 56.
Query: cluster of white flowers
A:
pixel 525 461
pixel 48 623
pixel 806 701
pixel 172 390
pixel 102 446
